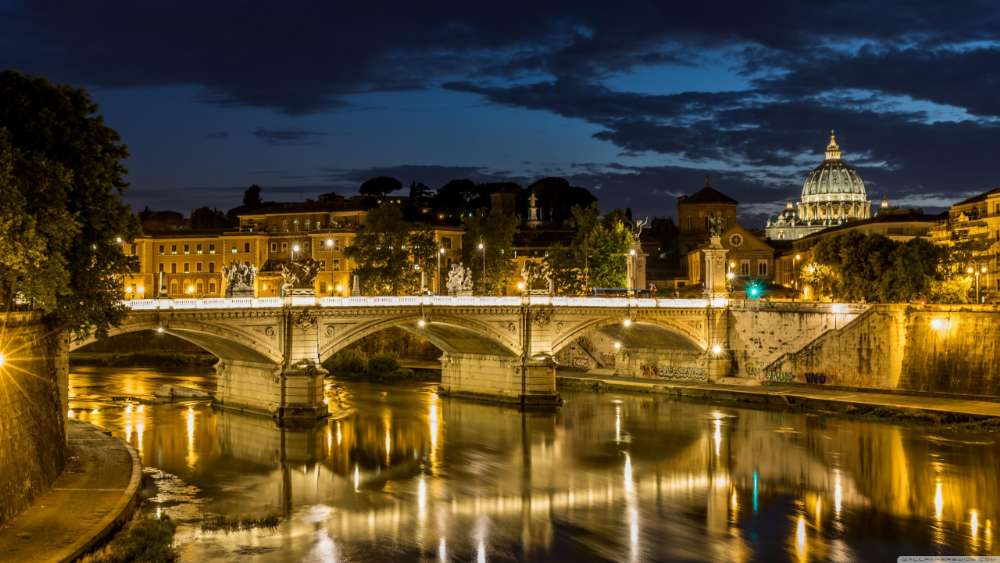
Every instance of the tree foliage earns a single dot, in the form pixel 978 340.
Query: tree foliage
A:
pixel 208 218
pixel 495 231
pixel 64 169
pixel 390 253
pixel 874 268
pixel 380 186
pixel 596 257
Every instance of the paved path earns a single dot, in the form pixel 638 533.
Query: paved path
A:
pixel 95 493
pixel 816 397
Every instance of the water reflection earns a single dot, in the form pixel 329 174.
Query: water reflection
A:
pixel 406 474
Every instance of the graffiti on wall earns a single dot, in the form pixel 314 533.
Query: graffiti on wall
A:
pixel 675 372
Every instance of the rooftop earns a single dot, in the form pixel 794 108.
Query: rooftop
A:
pixel 707 194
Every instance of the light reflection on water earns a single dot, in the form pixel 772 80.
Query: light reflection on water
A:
pixel 406 475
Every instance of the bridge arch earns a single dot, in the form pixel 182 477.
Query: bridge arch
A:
pixel 643 332
pixel 222 341
pixel 450 333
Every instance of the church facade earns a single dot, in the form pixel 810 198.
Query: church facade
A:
pixel 833 194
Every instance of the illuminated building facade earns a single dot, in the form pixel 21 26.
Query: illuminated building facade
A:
pixel 184 263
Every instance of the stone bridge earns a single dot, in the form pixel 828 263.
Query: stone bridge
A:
pixel 501 348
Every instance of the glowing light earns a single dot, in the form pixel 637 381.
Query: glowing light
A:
pixel 329 288
pixel 357 477
pixel 190 289
pixel 128 289
pixel 340 436
pixel 340 288
pixel 421 323
pixel 730 276
pixel 755 492
pixel 140 289
pixel 118 240
pixel 618 345
pixel 422 497
pixel 442 550
pixel 627 323
pixel 70 414
pixel 974 522
pixel 3 359
pixel 938 499
pixel 838 308
pixel 940 324
pixel 810 269
pixel 329 243
pixel 628 482
pixel 631 252
pixel 798 257
pixel 800 538
pixel 838 493
pixel 296 248
pixel 521 286
pixel 159 330
pixel 717 436
pixel 481 246
pixel 716 349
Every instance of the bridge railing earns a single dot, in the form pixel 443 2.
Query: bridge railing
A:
pixel 415 300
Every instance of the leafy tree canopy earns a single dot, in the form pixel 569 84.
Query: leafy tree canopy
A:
pixel 208 218
pixel 63 171
pixel 251 197
pixel 380 186
pixel 390 253
pixel 557 198
pixel 495 231
pixel 596 257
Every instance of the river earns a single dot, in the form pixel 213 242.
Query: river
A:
pixel 401 474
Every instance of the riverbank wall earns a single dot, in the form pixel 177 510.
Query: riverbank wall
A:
pixel 33 399
pixel 929 348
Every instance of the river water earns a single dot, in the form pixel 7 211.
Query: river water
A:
pixel 401 474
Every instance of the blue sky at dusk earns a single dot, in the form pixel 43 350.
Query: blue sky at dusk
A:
pixel 636 101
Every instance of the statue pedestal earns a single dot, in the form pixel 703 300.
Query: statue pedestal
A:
pixel 715 269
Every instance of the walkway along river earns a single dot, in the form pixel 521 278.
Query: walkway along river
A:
pixel 402 474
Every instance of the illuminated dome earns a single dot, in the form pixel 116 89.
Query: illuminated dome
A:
pixel 833 191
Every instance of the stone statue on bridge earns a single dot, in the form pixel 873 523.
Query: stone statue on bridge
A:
pixel 298 276
pixel 239 279
pixel 637 226
pixel 459 280
pixel 716 224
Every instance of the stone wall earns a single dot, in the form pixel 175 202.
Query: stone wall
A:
pixel 953 349
pixel 761 332
pixel 495 376
pixel 33 386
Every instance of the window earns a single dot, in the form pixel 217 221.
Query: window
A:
pixel 187 249
pixel 211 249
pixel 274 247
pixel 336 264
pixel 173 288
pixel 761 268
pixel 211 267
pixel 161 250
pixel 173 249
pixel 197 266
pixel 187 267
pixel 308 224
pixel 745 268
pixel 284 247
pixel 134 249
pixel 200 288
pixel 161 266
pixel 284 225
pixel 173 268
pixel 198 249
pixel 246 247
pixel 295 225
pixel 322 266
pixel 211 286
pixel 446 242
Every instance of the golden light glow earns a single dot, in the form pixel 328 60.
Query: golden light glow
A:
pixel 190 289
pixel 340 288
pixel 618 345
pixel 520 286
pixel 627 323
pixel 421 323
pixel 3 359
pixel 938 500
pixel 716 349
pixel 940 324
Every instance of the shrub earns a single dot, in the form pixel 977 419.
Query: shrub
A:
pixel 347 363
pixel 149 540
pixel 382 366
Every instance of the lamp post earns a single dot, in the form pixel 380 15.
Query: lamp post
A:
pixel 482 250
pixel 632 271
pixel 795 270
pixel 440 253
pixel 295 249
pixel 976 272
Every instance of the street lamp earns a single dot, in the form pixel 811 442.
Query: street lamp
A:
pixel 440 253
pixel 295 249
pixel 795 270
pixel 977 272
pixel 482 249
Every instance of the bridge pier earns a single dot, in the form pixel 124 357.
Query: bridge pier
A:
pixel 293 394
pixel 500 378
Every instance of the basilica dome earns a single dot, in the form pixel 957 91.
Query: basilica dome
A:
pixel 833 191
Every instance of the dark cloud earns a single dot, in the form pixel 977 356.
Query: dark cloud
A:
pixel 293 136
pixel 217 135
pixel 431 175
pixel 871 71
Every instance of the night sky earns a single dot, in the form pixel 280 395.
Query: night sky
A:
pixel 636 101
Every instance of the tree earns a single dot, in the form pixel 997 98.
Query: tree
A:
pixel 596 257
pixel 419 191
pixel 456 198
pixel 389 254
pixel 251 197
pixel 874 268
pixel 557 198
pixel 56 132
pixel 380 186
pixel 208 218
pixel 495 232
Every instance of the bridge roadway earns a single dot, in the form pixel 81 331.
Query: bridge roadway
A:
pixel 271 350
